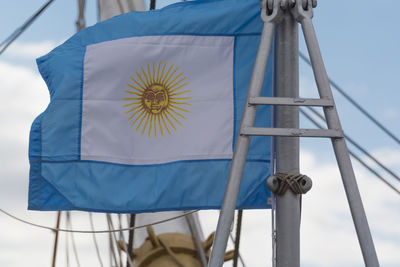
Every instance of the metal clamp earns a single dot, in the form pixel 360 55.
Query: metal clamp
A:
pixel 303 10
pixel 280 182
pixel 271 11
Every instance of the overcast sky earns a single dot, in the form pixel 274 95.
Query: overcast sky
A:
pixel 360 44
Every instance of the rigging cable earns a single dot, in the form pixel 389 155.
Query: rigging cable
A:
pixel 358 146
pixel 113 238
pixel 95 240
pixel 240 255
pixel 152 4
pixel 352 101
pixel 98 231
pixel 130 239
pixel 69 226
pixel 354 155
pixel 237 237
pixel 9 40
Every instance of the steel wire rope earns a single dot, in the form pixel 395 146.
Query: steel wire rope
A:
pixel 98 231
pixel 112 238
pixel 73 243
pixel 129 260
pixel 67 249
pixel 354 102
pixel 354 155
pixel 95 240
pixel 10 39
pixel 240 254
pixel 358 146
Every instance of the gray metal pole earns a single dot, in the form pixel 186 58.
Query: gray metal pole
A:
pixel 287 148
pixel 339 145
pixel 243 141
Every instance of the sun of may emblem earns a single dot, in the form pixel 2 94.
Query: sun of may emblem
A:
pixel 157 99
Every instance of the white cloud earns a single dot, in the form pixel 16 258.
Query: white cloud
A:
pixel 30 50
pixel 328 236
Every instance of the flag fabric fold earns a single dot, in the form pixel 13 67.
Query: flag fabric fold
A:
pixel 145 109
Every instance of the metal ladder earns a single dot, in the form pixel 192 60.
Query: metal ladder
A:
pixel 271 15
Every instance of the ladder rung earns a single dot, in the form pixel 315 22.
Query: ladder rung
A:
pixel 292 132
pixel 286 101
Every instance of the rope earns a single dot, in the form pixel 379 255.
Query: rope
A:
pixel 355 156
pixel 95 240
pixel 240 255
pixel 98 231
pixel 114 239
pixel 354 143
pixel 352 101
pixel 130 240
pixel 298 183
pixel 69 226
pixel 10 39
pixel 237 237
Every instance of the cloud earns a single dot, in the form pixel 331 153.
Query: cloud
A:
pixel 30 50
pixel 327 232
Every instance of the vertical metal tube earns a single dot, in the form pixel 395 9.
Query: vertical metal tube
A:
pixel 287 148
pixel 340 148
pixel 241 149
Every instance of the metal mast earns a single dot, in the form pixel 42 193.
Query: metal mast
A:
pixel 287 148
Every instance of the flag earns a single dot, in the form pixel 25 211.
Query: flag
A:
pixel 145 109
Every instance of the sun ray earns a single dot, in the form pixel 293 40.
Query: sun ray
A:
pixel 176 89
pixel 176 84
pixel 173 117
pixel 154 72
pixel 131 98
pixel 180 98
pixel 165 124
pixel 136 112
pixel 140 77
pixel 132 93
pixel 170 122
pixel 132 109
pixel 140 123
pixel 176 78
pixel 148 72
pixel 130 104
pixel 172 74
pixel 178 108
pixel 162 72
pixel 180 93
pixel 141 86
pixel 159 125
pixel 180 115
pixel 158 72
pixel 145 124
pixel 155 126
pixel 150 124
pixel 138 117
pixel 166 75
pixel 180 103
pixel 145 76
pixel 135 88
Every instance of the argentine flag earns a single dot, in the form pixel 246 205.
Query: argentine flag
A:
pixel 145 109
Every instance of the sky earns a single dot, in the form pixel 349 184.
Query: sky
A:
pixel 359 42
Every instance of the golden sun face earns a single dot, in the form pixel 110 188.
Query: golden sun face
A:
pixel 159 100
